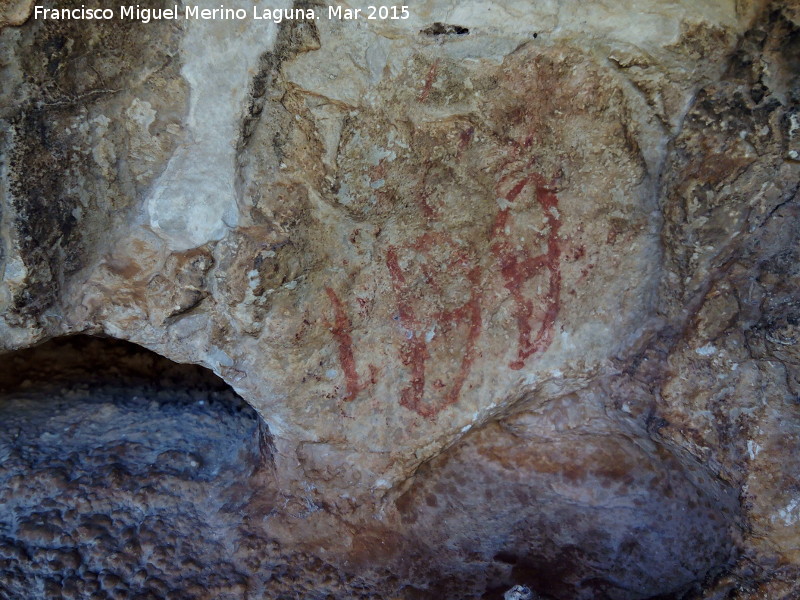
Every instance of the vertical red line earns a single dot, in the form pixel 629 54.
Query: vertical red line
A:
pixel 343 333
pixel 426 90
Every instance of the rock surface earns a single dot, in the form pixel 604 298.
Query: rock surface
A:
pixel 512 287
pixel 126 475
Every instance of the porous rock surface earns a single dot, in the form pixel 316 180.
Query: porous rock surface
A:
pixel 512 287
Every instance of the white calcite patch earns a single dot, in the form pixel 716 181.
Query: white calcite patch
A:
pixel 194 201
pixel 790 514
pixel 753 449
pixel 707 350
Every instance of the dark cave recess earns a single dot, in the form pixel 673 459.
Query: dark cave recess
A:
pixel 126 475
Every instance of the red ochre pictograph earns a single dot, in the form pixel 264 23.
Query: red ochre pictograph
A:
pixel 416 324
pixel 415 269
pixel 521 266
pixel 429 81
pixel 342 331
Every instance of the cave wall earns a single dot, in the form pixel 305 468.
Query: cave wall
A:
pixel 532 259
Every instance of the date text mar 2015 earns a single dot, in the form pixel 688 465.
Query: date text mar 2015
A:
pixel 369 13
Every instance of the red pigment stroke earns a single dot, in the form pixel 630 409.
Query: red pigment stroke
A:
pixel 342 331
pixel 465 138
pixel 422 195
pixel 414 352
pixel 470 313
pixel 519 267
pixel 426 89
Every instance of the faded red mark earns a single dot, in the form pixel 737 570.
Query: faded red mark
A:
pixel 363 306
pixel 520 266
pixel 414 351
pixel 423 195
pixel 342 331
pixel 578 253
pixel 429 80
pixel 423 270
pixel 465 138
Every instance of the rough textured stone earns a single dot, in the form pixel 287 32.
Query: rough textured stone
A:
pixel 512 287
pixel 572 503
pixel 125 474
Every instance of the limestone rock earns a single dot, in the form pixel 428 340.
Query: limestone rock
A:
pixel 513 287
pixel 15 12
pixel 574 505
